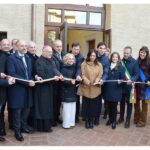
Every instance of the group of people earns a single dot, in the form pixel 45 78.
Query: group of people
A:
pixel 33 88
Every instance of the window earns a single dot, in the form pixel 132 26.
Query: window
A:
pixel 3 35
pixel 54 15
pixel 75 17
pixel 95 18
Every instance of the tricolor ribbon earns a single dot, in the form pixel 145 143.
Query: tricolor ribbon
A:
pixel 132 98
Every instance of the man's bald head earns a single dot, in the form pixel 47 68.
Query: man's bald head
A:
pixel 21 46
pixel 57 45
pixel 31 47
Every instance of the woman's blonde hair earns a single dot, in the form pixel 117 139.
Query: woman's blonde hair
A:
pixel 67 56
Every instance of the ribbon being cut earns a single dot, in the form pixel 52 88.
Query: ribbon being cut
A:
pixel 132 93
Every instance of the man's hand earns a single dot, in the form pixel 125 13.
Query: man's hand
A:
pixel 129 82
pixel 148 82
pixel 11 81
pixel 3 75
pixel 61 78
pixel 56 78
pixel 31 83
pixel 119 81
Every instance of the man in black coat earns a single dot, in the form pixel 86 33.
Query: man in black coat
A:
pixel 31 51
pixel 79 59
pixel 4 53
pixel 104 60
pixel 58 55
pixel 133 69
pixel 20 95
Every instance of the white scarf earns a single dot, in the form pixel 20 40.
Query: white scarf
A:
pixel 113 65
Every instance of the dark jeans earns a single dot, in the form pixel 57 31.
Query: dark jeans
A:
pixel 20 118
pixel 100 102
pixel 112 108
pixel 125 100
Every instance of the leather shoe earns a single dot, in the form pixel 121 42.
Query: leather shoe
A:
pixel 2 132
pixel 27 130
pixel 96 121
pixel 18 136
pixel 54 124
pixel 113 125
pixel 120 120
pixel 140 125
pixel 59 121
pixel 2 139
pixel 127 124
pixel 108 123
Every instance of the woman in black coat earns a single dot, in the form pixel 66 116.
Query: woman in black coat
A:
pixel 43 99
pixel 113 90
pixel 68 94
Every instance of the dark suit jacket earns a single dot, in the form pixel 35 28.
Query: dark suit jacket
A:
pixel 57 60
pixel 19 94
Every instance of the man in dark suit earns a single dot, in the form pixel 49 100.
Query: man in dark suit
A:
pixel 4 53
pixel 20 95
pixel 133 69
pixel 58 55
pixel 79 59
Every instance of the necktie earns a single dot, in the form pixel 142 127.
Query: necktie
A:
pixel 59 56
pixel 25 66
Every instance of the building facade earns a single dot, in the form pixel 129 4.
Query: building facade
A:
pixel 117 25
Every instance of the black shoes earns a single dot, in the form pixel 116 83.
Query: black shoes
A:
pixel 2 132
pixel 89 124
pixel 18 136
pixel 27 130
pixel 120 120
pixel 105 114
pixel 127 124
pixel 113 125
pixel 96 121
pixel 108 123
pixel 2 139
pixel 59 121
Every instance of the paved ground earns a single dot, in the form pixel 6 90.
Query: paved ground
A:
pixel 79 136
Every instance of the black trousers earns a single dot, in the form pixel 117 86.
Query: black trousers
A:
pixel 77 107
pixel 56 101
pixel 125 100
pixel 20 116
pixel 112 108
pixel 2 123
